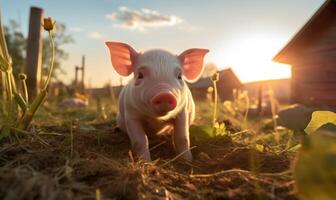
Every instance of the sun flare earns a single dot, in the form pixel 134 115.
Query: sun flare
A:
pixel 251 59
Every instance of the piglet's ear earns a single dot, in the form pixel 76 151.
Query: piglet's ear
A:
pixel 192 63
pixel 123 57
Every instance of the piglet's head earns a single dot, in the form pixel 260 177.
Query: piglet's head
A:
pixel 159 76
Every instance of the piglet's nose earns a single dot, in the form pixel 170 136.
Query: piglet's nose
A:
pixel 163 103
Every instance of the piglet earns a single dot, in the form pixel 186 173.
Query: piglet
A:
pixel 157 99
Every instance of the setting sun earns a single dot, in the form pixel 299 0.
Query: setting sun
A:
pixel 251 59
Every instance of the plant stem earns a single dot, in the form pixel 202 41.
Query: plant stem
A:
pixel 25 90
pixel 21 102
pixel 214 116
pixel 13 83
pixel 28 116
pixel 52 45
pixel 9 89
pixel 3 90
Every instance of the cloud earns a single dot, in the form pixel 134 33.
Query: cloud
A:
pixel 141 19
pixel 95 35
pixel 76 29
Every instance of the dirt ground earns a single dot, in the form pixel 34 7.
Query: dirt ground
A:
pixel 93 161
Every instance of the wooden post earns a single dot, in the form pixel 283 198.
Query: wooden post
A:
pixel 34 52
pixel 83 72
pixel 76 76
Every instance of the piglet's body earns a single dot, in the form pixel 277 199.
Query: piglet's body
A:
pixel 157 98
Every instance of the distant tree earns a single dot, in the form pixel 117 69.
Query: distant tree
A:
pixel 61 38
pixel 209 69
pixel 16 43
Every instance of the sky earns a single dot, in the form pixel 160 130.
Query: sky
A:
pixel 242 34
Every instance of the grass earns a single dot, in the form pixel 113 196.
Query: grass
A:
pixel 16 112
pixel 77 154
pixel 80 153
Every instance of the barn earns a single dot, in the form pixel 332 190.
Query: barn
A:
pixel 312 55
pixel 227 82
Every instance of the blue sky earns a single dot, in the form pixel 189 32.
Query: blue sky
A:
pixel 243 34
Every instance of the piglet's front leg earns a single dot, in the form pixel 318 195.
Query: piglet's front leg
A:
pixel 139 140
pixel 181 135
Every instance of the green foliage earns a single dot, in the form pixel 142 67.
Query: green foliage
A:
pixel 16 44
pixel 17 47
pixel 14 119
pixel 219 129
pixel 204 131
pixel 315 169
pixel 239 106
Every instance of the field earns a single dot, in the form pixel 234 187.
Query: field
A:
pixel 80 154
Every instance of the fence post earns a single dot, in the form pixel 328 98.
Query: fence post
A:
pixel 76 76
pixel 34 51
pixel 83 73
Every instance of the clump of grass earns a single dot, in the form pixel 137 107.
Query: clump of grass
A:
pixel 16 111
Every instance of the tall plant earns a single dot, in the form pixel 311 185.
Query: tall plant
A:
pixel 16 111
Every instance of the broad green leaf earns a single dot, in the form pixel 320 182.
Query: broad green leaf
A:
pixel 315 168
pixel 320 118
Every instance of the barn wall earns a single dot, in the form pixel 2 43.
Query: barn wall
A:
pixel 280 88
pixel 314 72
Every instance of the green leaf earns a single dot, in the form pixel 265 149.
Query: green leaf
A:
pixel 260 147
pixel 219 129
pixel 28 116
pixel 21 102
pixel 201 131
pixel 314 170
pixel 320 118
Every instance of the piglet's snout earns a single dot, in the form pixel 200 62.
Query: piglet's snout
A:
pixel 163 103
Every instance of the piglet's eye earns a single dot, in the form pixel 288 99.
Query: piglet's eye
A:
pixel 179 76
pixel 140 75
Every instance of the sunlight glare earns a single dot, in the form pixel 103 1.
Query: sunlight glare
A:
pixel 251 59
